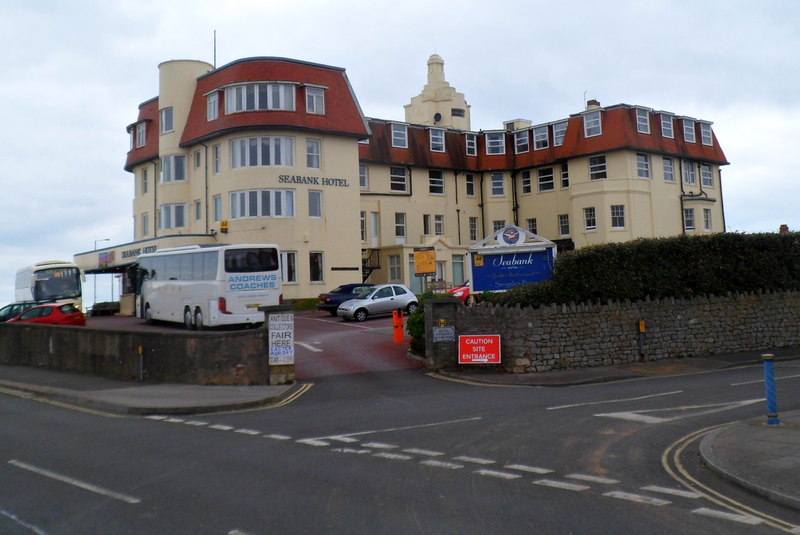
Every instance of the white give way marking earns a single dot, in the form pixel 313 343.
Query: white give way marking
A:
pixel 677 413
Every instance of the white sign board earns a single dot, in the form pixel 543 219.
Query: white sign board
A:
pixel 281 339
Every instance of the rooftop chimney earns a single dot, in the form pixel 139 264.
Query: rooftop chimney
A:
pixel 592 104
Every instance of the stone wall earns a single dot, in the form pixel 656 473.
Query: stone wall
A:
pixel 594 334
pixel 175 357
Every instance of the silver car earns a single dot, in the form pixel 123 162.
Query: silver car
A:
pixel 378 300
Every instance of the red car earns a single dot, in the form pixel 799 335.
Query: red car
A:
pixel 463 293
pixel 53 314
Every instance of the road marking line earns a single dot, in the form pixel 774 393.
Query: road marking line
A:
pixel 221 427
pixel 252 432
pixel 687 411
pixel 394 456
pixel 673 492
pixel 614 400
pixel 309 347
pixel 22 523
pixel 560 485
pixel 75 482
pixel 593 479
pixel 762 380
pixel 638 498
pixel 175 420
pixel 526 468
pixel 346 440
pixel 473 460
pixel 442 464
pixel 407 428
pixel 350 450
pixel 497 473
pixel 278 437
pixel 379 446
pixel 197 423
pixel 723 515
pixel 156 417
pixel 313 442
pixel 429 453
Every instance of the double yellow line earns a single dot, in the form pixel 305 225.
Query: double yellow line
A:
pixel 671 461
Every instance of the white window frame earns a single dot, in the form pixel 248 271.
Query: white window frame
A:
pixel 498 224
pixel 472 144
pixel 212 106
pixel 469 184
pixel 498 185
pixel 313 153
pixel 438 224
pixel 250 97
pixel 527 185
pixel 249 204
pixel 541 138
pixel 217 200
pixel 169 215
pixel 689 173
pixel 563 224
pixel 145 182
pixel 706 135
pixel 400 225
pixel 315 100
pixel 363 176
pixel 145 224
pixel 321 261
pixel 167 120
pixel 362 220
pixel 521 142
pixel 495 143
pixel 289 266
pixel 642 121
pixel 707 222
pixel 399 136
pixel 559 133
pixel 395 268
pixel 598 167
pixel 564 175
pixel 171 171
pixel 706 175
pixel 546 179
pixel 315 203
pixel 592 124
pixel 216 156
pixel 141 135
pixel 398 183
pixel 667 126
pixel 617 216
pixel 473 228
pixel 688 219
pixel 435 182
pixel 642 165
pixel 589 218
pixel 246 149
pixel 198 210
pixel 532 225
pixel 436 139
pixel 688 131
pixel 669 169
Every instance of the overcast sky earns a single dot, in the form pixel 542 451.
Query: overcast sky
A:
pixel 74 73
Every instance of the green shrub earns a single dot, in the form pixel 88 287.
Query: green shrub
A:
pixel 667 267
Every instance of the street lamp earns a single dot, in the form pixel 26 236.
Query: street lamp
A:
pixel 94 276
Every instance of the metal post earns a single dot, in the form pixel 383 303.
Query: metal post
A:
pixel 769 386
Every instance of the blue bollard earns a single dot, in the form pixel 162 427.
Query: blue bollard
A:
pixel 769 386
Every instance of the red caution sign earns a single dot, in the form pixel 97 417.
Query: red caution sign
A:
pixel 479 349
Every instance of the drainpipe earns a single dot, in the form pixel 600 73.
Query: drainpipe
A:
pixel 205 180
pixel 483 215
pixel 155 197
pixel 721 202
pixel 683 192
pixel 514 203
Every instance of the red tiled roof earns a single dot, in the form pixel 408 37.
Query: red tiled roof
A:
pixel 148 112
pixel 342 113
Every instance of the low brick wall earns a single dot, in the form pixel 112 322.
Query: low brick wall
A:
pixel 582 335
pixel 220 358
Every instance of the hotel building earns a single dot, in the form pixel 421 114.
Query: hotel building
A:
pixel 275 150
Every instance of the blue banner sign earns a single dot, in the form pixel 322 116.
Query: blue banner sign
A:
pixel 501 271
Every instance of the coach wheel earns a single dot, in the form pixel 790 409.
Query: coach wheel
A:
pixel 198 319
pixel 187 319
pixel 148 314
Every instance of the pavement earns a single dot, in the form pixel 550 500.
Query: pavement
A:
pixel 762 458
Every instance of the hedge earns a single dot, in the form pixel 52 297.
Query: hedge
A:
pixel 667 267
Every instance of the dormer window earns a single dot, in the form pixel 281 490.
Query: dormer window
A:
pixel 399 136
pixel 642 121
pixel 437 140
pixel 141 135
pixel 258 97
pixel 666 126
pixel 688 131
pixel 592 124
pixel 315 100
pixel 540 138
pixel 212 106
pixel 559 133
pixel 705 134
pixel 521 141
pixel 496 143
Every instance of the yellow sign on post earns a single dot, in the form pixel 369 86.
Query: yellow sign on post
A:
pixel 424 261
